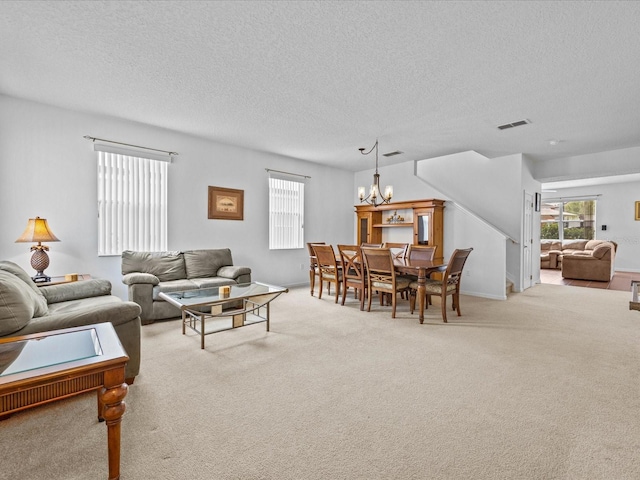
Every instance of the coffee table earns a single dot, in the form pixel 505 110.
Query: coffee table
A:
pixel 43 367
pixel 210 310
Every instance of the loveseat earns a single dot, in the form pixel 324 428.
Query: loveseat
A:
pixel 147 274
pixel 580 259
pixel 26 308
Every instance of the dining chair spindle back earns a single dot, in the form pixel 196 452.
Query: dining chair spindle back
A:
pixel 398 250
pixel 449 285
pixel 313 265
pixel 353 272
pixel 328 268
pixel 381 276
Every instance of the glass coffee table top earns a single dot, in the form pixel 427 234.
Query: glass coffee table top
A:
pixel 203 310
pixel 213 295
pixel 48 350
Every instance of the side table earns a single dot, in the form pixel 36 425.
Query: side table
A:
pixel 57 280
pixel 43 367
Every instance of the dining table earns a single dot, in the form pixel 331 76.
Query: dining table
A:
pixel 422 269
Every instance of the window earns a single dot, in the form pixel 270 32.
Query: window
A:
pixel 132 203
pixel 568 220
pixel 286 212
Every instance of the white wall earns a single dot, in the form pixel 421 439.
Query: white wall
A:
pixel 485 268
pixel 491 188
pixel 484 272
pixel 615 208
pixel 614 162
pixel 47 169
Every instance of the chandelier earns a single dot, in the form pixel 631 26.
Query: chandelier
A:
pixel 375 196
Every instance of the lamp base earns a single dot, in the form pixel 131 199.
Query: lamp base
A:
pixel 41 278
pixel 39 262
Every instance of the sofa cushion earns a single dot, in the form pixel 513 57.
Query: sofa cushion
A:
pixel 173 286
pixel 39 301
pixel 205 263
pixel 570 251
pixel 164 265
pixel 16 303
pixel 546 245
pixel 573 245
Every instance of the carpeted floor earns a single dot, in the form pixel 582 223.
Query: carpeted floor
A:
pixel 544 385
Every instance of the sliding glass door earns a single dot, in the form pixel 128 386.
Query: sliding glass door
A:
pixel 568 220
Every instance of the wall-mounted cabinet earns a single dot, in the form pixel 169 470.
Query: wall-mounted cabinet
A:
pixel 427 222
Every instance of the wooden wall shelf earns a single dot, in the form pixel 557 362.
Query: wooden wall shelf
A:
pixel 391 225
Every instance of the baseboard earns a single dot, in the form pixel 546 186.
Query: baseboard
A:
pixel 627 270
pixel 484 295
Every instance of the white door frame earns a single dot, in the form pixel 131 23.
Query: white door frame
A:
pixel 527 241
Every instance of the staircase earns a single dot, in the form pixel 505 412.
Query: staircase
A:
pixel 508 287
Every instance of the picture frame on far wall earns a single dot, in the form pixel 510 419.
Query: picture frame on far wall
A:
pixel 226 203
pixel 637 210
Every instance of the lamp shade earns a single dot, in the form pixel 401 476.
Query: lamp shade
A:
pixel 37 231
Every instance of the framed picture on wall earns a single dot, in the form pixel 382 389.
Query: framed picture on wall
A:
pixel 637 210
pixel 226 203
pixel 537 202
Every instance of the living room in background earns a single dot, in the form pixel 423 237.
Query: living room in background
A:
pixel 286 210
pixel 132 199
pixel 568 219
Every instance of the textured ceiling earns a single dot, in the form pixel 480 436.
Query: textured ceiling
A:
pixel 316 80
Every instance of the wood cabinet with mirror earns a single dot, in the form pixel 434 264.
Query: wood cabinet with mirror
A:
pixel 424 227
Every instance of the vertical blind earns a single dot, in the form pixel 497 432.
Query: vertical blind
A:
pixel 286 213
pixel 132 203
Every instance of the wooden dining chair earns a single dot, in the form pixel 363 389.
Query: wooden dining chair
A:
pixel 371 245
pixel 353 272
pixel 381 276
pixel 313 265
pixel 421 252
pixel 328 268
pixel 449 285
pixel 398 250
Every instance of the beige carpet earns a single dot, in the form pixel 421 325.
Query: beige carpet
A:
pixel 545 385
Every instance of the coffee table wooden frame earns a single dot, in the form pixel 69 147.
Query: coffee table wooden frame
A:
pixel 104 373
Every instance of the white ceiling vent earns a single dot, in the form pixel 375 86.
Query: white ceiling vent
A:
pixel 391 154
pixel 514 124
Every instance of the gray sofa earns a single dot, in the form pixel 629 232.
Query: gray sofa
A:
pixel 26 308
pixel 147 274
